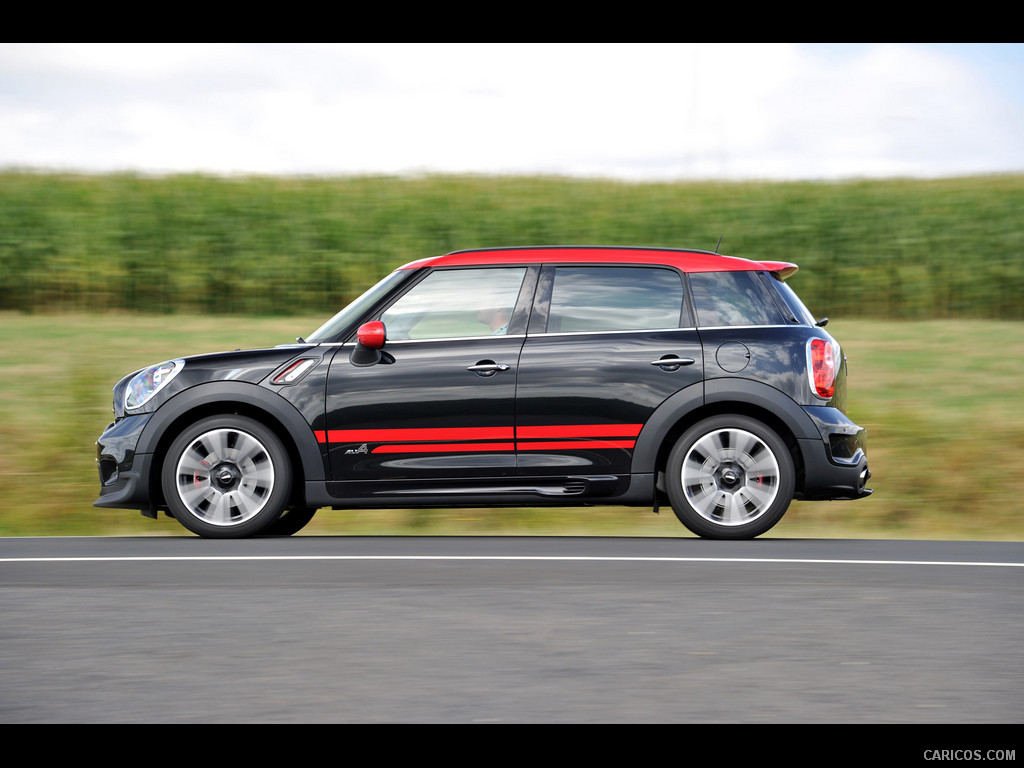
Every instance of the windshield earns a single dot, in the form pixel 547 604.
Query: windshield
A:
pixel 337 325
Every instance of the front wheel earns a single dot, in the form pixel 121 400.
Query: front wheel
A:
pixel 226 477
pixel 730 477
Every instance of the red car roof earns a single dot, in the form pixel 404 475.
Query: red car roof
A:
pixel 686 261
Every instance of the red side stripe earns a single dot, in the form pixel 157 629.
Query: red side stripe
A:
pixel 575 445
pixel 581 430
pixel 443 447
pixel 445 433
pixel 394 439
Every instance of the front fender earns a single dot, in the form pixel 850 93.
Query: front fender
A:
pixel 229 397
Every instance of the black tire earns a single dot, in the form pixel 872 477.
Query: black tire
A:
pixel 730 477
pixel 226 477
pixel 290 522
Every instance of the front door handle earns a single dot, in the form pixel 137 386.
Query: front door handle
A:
pixel 488 368
pixel 672 363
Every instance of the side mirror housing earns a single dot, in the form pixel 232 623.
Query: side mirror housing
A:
pixel 370 340
pixel 372 335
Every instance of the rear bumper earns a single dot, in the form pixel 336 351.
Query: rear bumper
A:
pixel 836 466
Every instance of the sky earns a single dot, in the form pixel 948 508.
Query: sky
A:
pixel 631 111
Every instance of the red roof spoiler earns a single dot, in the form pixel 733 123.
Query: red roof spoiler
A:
pixel 781 269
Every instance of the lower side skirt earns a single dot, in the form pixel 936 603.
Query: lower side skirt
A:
pixel 583 490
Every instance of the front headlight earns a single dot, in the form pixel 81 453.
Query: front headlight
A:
pixel 145 384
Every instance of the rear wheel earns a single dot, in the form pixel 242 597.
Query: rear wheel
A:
pixel 730 477
pixel 226 477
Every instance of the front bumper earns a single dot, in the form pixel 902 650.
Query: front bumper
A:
pixel 124 474
pixel 836 466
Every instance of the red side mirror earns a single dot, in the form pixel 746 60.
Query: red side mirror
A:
pixel 372 335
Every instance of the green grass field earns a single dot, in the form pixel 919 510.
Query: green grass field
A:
pixel 942 248
pixel 943 402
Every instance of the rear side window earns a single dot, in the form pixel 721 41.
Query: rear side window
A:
pixel 614 299
pixel 800 312
pixel 731 299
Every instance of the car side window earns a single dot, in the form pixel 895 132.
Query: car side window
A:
pixel 732 299
pixel 614 299
pixel 800 312
pixel 456 303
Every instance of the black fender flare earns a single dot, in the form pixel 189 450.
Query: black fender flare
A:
pixel 230 394
pixel 706 394
pixel 661 423
pixel 766 398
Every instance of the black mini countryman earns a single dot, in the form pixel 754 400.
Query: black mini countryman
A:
pixel 507 377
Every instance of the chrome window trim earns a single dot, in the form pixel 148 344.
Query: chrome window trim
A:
pixel 734 327
pixel 593 333
pixel 563 333
pixel 388 342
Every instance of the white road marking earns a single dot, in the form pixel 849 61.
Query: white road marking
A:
pixel 502 558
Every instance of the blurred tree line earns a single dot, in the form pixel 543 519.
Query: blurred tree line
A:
pixel 260 246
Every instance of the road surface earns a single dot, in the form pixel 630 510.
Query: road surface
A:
pixel 335 629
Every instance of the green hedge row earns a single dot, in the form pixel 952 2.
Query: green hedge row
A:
pixel 894 249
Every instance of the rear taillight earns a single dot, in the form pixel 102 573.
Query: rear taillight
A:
pixel 821 367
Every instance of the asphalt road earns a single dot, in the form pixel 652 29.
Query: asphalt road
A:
pixel 510 630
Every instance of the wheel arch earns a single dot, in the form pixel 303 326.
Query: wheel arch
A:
pixel 721 397
pixel 233 398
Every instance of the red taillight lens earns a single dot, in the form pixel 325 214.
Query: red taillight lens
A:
pixel 821 360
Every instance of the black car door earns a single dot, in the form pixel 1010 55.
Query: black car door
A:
pixel 606 346
pixel 441 402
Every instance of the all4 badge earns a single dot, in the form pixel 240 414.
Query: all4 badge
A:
pixel 360 449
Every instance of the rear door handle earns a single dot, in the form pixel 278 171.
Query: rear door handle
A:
pixel 672 363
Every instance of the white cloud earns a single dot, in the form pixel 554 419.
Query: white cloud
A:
pixel 621 110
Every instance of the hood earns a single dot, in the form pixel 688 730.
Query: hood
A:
pixel 172 377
